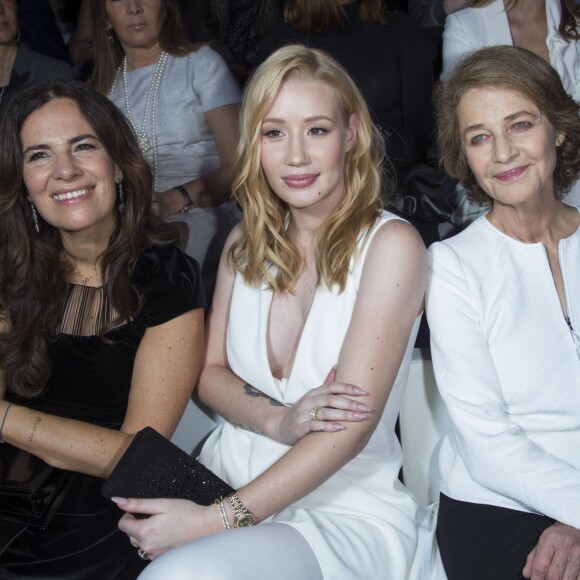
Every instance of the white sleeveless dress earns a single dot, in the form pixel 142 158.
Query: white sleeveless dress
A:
pixel 362 522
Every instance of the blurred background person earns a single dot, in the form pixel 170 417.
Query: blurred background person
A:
pixel 183 103
pixel 18 63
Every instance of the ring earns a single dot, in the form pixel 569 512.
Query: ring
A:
pixel 133 541
pixel 314 413
pixel 142 554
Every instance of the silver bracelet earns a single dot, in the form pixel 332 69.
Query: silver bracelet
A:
pixel 223 515
pixel 4 421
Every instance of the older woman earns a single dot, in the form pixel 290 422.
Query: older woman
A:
pixel 182 103
pixel 101 317
pixel 316 275
pixel 503 305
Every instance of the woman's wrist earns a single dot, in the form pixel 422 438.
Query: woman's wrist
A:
pixel 186 198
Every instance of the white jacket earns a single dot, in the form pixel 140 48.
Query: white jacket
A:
pixel 508 369
pixel 472 28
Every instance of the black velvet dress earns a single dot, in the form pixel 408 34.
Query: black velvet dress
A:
pixel 91 382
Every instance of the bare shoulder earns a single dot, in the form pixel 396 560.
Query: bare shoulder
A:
pixel 395 268
pixel 398 240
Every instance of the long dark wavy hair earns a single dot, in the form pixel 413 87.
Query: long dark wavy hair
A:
pixel 32 269
pixel 108 52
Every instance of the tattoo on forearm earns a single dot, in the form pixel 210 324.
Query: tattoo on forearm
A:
pixel 235 424
pixel 255 393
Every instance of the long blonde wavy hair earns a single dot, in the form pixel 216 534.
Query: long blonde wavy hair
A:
pixel 265 241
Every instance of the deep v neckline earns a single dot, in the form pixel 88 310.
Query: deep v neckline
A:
pixel 300 335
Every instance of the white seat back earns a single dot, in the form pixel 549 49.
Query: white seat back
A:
pixel 423 422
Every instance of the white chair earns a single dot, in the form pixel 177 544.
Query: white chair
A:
pixel 194 426
pixel 423 422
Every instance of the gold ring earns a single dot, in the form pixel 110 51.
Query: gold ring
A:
pixel 142 554
pixel 314 413
pixel 133 541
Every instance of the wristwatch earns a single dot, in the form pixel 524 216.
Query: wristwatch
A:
pixel 243 518
pixel 187 203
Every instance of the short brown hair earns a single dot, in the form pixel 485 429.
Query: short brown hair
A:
pixel 515 69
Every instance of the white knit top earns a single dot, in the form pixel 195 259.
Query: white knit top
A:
pixel 508 369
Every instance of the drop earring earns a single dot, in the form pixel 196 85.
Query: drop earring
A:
pixel 34 217
pixel 109 34
pixel 121 197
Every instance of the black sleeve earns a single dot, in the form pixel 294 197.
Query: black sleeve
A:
pixel 170 282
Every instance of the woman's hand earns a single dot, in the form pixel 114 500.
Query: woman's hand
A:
pixel 172 523
pixel 556 555
pixel 319 410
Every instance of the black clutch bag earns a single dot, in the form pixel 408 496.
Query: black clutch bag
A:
pixel 153 467
pixel 30 489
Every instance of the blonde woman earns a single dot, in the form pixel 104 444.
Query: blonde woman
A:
pixel 316 275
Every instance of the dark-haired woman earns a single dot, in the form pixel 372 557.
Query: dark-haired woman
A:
pixel 102 317
pixel 182 102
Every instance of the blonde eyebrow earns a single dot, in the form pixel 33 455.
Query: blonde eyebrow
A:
pixel 276 120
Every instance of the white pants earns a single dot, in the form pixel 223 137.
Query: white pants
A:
pixel 264 552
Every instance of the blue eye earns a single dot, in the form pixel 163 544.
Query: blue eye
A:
pixel 478 139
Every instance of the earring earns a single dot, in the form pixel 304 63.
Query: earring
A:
pixel 121 198
pixel 34 218
pixel 109 34
pixel 18 36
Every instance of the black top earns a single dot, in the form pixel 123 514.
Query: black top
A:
pixel 91 379
pixel 90 382
pixel 393 68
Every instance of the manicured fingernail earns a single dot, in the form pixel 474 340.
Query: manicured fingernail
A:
pixel 119 500
pixel 338 427
pixel 360 415
pixel 360 391
pixel 363 407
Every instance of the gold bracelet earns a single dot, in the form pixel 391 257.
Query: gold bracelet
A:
pixel 243 517
pixel 36 422
pixel 223 515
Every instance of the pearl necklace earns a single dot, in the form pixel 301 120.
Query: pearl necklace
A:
pixel 146 143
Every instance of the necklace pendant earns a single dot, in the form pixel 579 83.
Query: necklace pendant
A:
pixel 144 142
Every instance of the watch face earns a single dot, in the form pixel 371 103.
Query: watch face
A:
pixel 245 520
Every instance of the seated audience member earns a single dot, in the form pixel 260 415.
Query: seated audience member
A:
pixel 101 329
pixel 182 103
pixel 503 305
pixel 232 28
pixel 39 29
pixel 431 15
pixel 550 28
pixel 18 63
pixel 387 55
pixel 316 275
